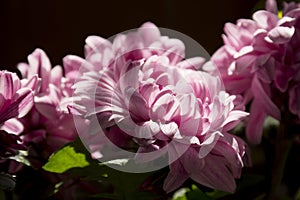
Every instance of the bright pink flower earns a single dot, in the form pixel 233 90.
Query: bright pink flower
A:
pixel 260 60
pixel 159 101
pixel 16 100
pixel 49 123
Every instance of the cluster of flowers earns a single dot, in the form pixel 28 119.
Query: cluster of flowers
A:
pixel 260 60
pixel 34 114
pixel 142 89
pixel 146 95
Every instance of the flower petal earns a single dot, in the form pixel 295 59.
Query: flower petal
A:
pixel 263 99
pixel 13 126
pixel 255 124
pixel 280 35
pixel 271 6
pixel 215 174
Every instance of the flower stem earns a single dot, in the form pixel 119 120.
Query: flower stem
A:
pixel 283 145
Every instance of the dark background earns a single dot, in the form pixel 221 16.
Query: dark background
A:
pixel 61 26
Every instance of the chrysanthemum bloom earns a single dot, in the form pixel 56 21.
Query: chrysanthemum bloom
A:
pixel 49 124
pixel 16 100
pixel 150 96
pixel 260 60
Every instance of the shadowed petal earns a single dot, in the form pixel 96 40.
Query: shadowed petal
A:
pixel 215 174
pixel 255 124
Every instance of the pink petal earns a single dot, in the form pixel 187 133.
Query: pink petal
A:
pixel 149 153
pixel 56 76
pixel 255 124
pixel 177 175
pixel 40 64
pixel 13 126
pixel 220 59
pixel 174 50
pixel 265 19
pixel 283 75
pixel 263 99
pixel 33 83
pixel 192 63
pixel 233 119
pixel 237 84
pixel 209 143
pixel 215 174
pixel 75 65
pixel 6 85
pixel 23 68
pixel 95 44
pixel 232 34
pixel 149 32
pixel 47 110
pixel 271 6
pixel 138 107
pixel 23 101
pixel 146 130
pixel 192 162
pixel 169 129
pixel 280 35
pixel 232 157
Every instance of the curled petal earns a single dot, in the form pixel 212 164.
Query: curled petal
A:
pixel 265 19
pixel 280 35
pixel 13 126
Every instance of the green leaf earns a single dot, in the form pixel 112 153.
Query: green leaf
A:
pixel 216 194
pixel 127 184
pixel 239 129
pixel 76 160
pixel 270 127
pixel 196 194
pixel 65 159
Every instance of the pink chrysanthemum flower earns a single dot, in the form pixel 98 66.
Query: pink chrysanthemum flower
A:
pixel 48 123
pixel 149 95
pixel 16 100
pixel 260 60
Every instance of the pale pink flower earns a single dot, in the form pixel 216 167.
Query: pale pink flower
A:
pixel 164 105
pixel 260 61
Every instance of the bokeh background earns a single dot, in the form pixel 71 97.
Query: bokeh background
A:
pixel 61 26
